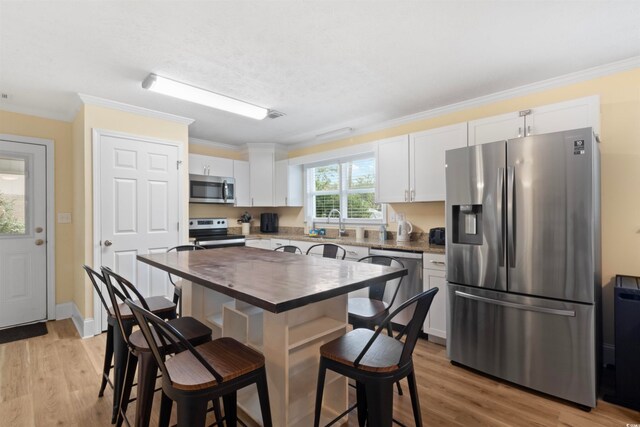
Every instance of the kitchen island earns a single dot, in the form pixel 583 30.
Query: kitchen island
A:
pixel 283 305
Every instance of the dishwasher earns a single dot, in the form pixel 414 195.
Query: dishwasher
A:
pixel 411 283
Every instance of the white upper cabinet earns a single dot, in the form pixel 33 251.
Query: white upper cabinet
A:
pixel 288 189
pixel 209 165
pixel 410 168
pixel 496 128
pixel 574 114
pixel 241 175
pixel 261 177
pixel 426 158
pixel 392 170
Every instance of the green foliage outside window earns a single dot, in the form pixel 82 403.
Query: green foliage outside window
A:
pixel 9 224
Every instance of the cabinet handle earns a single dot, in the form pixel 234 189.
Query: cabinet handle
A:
pixel 278 244
pixel 252 201
pixel 412 195
pixel 286 201
pixel 406 195
pixel 433 261
pixel 519 132
pixel 528 130
pixel 353 252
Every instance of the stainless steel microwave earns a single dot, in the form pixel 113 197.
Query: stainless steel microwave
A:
pixel 211 189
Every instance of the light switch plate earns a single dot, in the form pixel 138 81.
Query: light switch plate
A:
pixel 64 218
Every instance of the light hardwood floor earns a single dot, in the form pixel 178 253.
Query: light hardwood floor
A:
pixel 54 380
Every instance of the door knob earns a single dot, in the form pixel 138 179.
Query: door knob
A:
pixel 108 243
pixel 39 242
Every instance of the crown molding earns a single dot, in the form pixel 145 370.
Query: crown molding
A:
pixel 564 80
pixel 60 116
pixel 127 108
pixel 221 145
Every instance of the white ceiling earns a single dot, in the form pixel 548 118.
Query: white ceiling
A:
pixel 326 64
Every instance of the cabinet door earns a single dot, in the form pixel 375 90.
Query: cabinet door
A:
pixel 295 185
pixel 281 186
pixel 436 321
pixel 426 159
pixel 261 177
pixel 209 165
pixel 392 170
pixel 241 175
pixel 496 128
pixel 259 243
pixel 574 114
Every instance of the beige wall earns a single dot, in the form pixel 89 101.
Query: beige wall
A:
pixel 60 132
pixel 620 148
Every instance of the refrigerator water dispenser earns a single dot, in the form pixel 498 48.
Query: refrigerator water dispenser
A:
pixel 467 224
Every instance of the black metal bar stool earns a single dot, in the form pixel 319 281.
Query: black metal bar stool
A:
pixel 177 282
pixel 329 250
pixel 138 352
pixel 218 368
pixel 159 305
pixel 289 248
pixel 376 362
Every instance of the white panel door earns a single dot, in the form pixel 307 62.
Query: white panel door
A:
pixel 496 128
pixel 139 208
pixel 392 170
pixel 427 160
pixel 23 233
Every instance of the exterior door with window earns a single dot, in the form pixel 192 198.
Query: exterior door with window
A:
pixel 23 233
pixel 139 208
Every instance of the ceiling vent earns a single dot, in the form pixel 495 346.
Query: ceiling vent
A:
pixel 274 114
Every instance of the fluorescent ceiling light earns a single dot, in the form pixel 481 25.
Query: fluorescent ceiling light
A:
pixel 334 133
pixel 190 93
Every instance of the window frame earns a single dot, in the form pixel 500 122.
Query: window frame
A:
pixel 343 192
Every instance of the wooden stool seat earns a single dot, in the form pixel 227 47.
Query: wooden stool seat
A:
pixel 383 356
pixel 193 330
pixel 367 308
pixel 158 305
pixel 230 358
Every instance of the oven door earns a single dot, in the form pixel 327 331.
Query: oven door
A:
pixel 211 189
pixel 211 243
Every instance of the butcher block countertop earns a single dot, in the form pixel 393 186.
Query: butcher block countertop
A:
pixel 274 281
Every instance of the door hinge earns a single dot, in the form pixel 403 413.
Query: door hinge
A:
pixel 178 163
pixel 524 113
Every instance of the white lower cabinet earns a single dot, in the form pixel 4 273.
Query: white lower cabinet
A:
pixel 435 277
pixel 258 243
pixel 276 243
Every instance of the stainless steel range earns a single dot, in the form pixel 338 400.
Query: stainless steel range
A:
pixel 213 233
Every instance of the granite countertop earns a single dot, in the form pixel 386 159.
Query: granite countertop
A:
pixel 419 246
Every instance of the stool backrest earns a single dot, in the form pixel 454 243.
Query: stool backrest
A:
pixel 289 248
pixel 119 290
pixel 95 278
pixel 329 250
pixel 421 302
pixel 377 290
pixel 153 327
pixel 182 248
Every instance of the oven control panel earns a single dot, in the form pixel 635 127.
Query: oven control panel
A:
pixel 207 223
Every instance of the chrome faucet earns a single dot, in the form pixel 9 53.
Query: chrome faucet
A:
pixel 341 231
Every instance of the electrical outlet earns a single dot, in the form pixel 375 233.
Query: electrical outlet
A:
pixel 392 216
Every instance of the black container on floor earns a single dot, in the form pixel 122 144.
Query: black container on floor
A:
pixel 627 336
pixel 269 223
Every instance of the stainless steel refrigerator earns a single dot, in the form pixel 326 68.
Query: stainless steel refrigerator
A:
pixel 523 261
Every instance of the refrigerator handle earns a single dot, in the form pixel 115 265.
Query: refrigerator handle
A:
pixel 511 255
pixel 499 199
pixel 526 307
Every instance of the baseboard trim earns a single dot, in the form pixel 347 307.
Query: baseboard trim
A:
pixel 608 354
pixel 63 311
pixel 85 327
